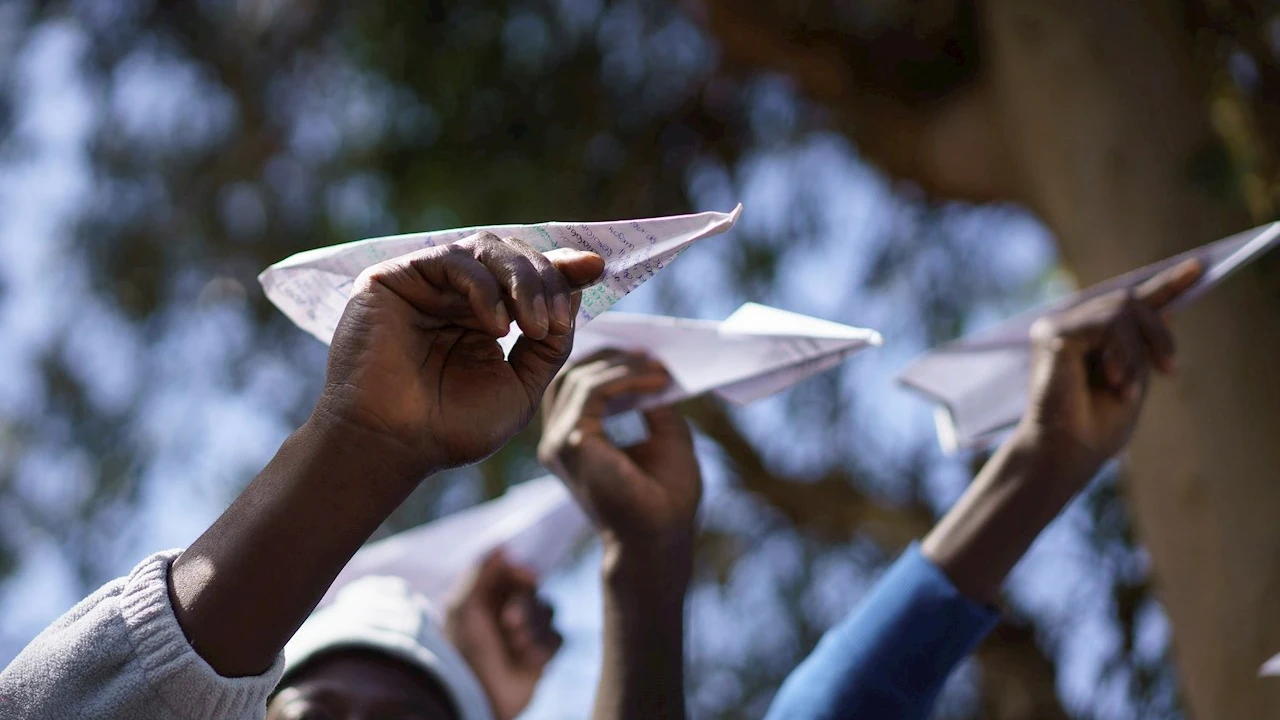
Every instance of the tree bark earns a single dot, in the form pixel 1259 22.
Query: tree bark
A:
pixel 1107 129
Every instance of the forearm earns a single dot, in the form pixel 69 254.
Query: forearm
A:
pixel 246 585
pixel 643 667
pixel 1016 495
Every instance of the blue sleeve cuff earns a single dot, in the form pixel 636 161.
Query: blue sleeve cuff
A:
pixel 891 656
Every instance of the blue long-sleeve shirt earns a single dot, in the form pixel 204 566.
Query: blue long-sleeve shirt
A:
pixel 889 659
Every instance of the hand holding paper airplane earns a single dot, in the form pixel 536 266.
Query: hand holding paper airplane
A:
pixel 312 287
pixel 980 381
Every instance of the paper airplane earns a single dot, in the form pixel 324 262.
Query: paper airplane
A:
pixel 757 351
pixel 312 287
pixel 1270 668
pixel 537 523
pixel 980 381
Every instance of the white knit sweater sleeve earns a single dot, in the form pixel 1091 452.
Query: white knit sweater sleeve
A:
pixel 120 653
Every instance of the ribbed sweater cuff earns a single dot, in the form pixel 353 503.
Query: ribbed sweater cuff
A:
pixel 182 679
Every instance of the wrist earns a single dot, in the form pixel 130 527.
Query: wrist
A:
pixel 1057 461
pixel 390 460
pixel 657 570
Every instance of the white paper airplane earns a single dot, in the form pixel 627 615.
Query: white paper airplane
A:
pixel 537 523
pixel 757 351
pixel 312 287
pixel 980 381
pixel 1270 668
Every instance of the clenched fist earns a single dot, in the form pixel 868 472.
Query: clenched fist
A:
pixel 415 369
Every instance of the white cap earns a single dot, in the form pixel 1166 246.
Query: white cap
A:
pixel 386 615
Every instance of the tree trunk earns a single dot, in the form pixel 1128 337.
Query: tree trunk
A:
pixel 1106 127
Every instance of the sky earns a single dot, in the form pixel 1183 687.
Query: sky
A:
pixel 208 435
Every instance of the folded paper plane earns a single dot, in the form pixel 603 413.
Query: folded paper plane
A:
pixel 980 381
pixel 312 287
pixel 537 523
pixel 1271 667
pixel 756 352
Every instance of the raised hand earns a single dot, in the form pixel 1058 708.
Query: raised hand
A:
pixel 415 368
pixel 1089 370
pixel 417 383
pixel 1090 367
pixel 505 632
pixel 644 501
pixel 647 494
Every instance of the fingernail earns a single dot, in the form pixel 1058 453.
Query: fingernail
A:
pixel 560 309
pixel 540 316
pixel 503 319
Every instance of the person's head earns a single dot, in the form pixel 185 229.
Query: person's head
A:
pixel 379 650
pixel 361 684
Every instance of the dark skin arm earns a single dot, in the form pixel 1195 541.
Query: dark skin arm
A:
pixel 416 384
pixel 1089 374
pixel 643 500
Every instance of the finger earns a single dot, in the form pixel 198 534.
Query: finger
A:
pixel 544 648
pixel 491 573
pixel 554 285
pixel 541 614
pixel 520 641
pixel 425 279
pixel 580 269
pixel 521 282
pixel 517 613
pixel 668 433
pixel 576 374
pixel 554 642
pixel 1128 353
pixel 1160 290
pixel 536 363
pixel 667 425
pixel 592 395
pixel 558 348
pixel 1156 336
pixel 571 371
pixel 497 578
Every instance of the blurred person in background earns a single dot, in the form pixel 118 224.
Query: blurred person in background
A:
pixel 416 384
pixel 891 657
pixel 380 650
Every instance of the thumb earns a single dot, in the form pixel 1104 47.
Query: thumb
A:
pixel 579 268
pixel 1165 287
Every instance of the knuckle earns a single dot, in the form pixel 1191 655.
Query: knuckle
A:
pixel 372 276
pixel 546 454
pixel 454 252
pixel 1045 329
pixel 483 244
pixel 517 243
pixel 576 440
